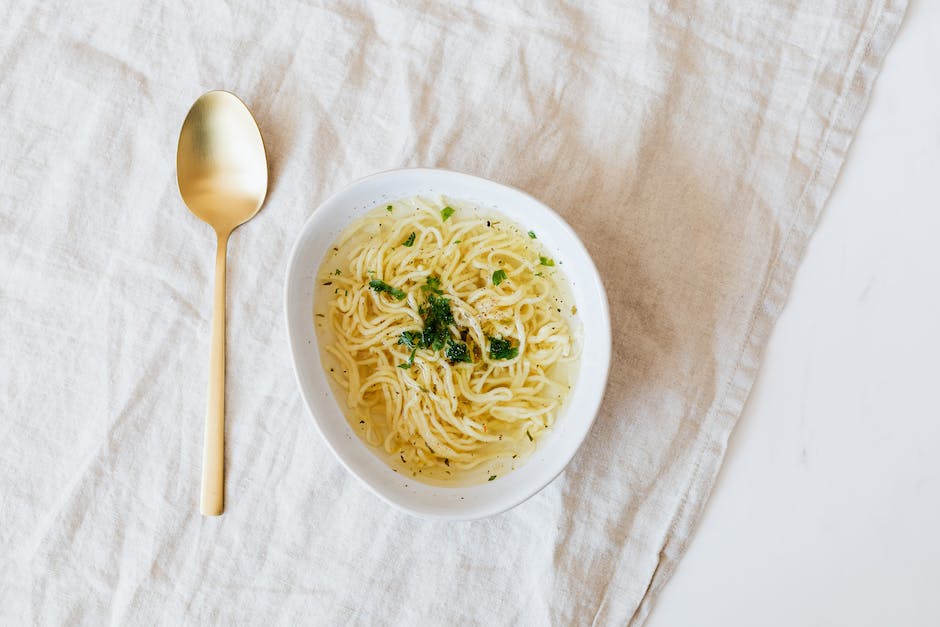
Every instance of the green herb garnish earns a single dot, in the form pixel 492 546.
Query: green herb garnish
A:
pixel 492 477
pixel 528 434
pixel 437 332
pixel 410 241
pixel 389 208
pixel 532 234
pixel 411 339
pixel 382 286
pixel 545 261
pixel 432 284
pixel 457 352
pixel 447 212
pixel 502 349
pixel 411 360
pixel 338 272
pixel 437 320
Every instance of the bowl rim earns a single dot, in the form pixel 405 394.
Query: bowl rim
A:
pixel 484 509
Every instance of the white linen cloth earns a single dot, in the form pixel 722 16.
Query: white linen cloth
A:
pixel 691 145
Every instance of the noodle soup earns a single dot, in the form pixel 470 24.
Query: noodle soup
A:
pixel 447 334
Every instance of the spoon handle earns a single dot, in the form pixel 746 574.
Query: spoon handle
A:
pixel 213 455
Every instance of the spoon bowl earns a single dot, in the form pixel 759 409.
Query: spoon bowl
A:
pixel 221 167
pixel 222 174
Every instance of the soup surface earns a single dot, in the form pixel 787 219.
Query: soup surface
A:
pixel 449 338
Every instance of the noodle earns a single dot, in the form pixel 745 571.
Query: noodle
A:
pixel 448 336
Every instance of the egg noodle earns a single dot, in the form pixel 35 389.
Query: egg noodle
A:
pixel 449 334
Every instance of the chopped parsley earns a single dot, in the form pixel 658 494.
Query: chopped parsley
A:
pixel 389 208
pixel 382 286
pixel 432 284
pixel 457 352
pixel 436 334
pixel 446 212
pixel 411 339
pixel 532 234
pixel 439 330
pixel 529 435
pixel 437 320
pixel 410 241
pixel 502 349
pixel 492 477
pixel 338 272
pixel 411 360
pixel 545 261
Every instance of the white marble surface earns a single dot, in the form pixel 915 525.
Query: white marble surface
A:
pixel 827 510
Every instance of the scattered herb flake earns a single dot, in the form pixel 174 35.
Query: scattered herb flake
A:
pixel 411 339
pixel 492 477
pixel 410 241
pixel 502 349
pixel 432 284
pixel 446 462
pixel 338 272
pixel 389 208
pixel 328 283
pixel 382 286
pixel 411 360
pixel 538 274
pixel 457 352
pixel 446 212
pixel 437 320
pixel 529 435
pixel 545 261
pixel 532 234
pixel 499 276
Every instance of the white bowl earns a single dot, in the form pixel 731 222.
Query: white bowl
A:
pixel 555 449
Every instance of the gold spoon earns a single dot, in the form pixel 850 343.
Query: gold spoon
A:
pixel 223 179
